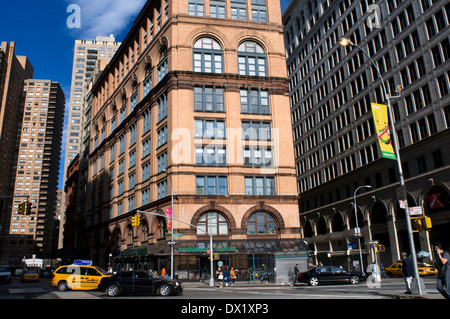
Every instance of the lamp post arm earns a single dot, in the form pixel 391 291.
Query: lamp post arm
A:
pixel 376 67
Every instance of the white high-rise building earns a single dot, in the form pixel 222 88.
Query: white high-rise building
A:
pixel 86 54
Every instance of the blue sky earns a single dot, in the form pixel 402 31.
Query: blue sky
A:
pixel 40 31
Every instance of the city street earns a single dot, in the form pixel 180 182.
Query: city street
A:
pixel 390 288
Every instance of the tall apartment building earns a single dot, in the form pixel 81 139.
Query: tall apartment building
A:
pixel 194 104
pixel 86 55
pixel 13 71
pixel 335 142
pixel 37 170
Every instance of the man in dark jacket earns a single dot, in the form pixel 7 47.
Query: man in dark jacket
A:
pixel 408 271
pixel 442 258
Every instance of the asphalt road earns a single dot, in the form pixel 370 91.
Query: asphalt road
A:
pixel 389 288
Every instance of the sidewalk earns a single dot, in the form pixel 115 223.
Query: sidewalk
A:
pixel 430 294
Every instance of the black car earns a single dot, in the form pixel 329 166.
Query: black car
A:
pixel 329 274
pixel 137 282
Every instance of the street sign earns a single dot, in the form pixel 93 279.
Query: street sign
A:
pixel 171 243
pixel 177 235
pixel 416 210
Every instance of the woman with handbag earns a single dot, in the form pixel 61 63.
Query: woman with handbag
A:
pixel 219 274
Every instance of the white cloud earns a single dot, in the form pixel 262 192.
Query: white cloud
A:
pixel 104 17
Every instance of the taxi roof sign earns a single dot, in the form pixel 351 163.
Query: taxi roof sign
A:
pixel 80 262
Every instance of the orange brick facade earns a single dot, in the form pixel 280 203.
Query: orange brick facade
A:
pixel 188 132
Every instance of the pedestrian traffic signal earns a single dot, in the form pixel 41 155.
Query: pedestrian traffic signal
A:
pixel 136 220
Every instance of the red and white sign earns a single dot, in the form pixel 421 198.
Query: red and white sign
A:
pixel 416 210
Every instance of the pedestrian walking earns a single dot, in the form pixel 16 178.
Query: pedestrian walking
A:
pixel 407 270
pixel 382 271
pixel 219 274
pixel 232 275
pixel 296 271
pixel 442 258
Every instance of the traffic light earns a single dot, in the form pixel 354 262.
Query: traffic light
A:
pixel 27 208
pixel 422 223
pixel 136 220
pixel 380 248
pixel 22 207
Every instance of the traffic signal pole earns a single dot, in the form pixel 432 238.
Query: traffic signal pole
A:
pixel 172 243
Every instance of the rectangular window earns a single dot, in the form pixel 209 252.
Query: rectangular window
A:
pixel 133 101
pixel 121 144
pixel 132 159
pixel 112 153
pixel 259 11
pixel 238 10
pixel 131 181
pixel 258 156
pixel 259 186
pixel 254 101
pixel 161 189
pixel 162 107
pixel 162 162
pixel 123 113
pixel 217 9
pixel 256 131
pixel 121 167
pixel 146 148
pixel 209 99
pixel 145 172
pixel 209 129
pixel 162 136
pixel 146 120
pixel 211 185
pixel 196 8
pixel 146 196
pixel 210 156
pixel 147 85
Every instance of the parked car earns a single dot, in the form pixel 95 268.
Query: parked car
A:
pixel 139 283
pixel 30 275
pixel 329 274
pixel 396 270
pixel 77 277
pixel 5 274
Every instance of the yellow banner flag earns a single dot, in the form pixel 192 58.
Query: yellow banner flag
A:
pixel 381 119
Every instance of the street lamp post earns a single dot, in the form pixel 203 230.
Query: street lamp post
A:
pixel 171 223
pixel 357 226
pixel 346 42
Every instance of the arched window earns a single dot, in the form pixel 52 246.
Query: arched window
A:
pixel 261 223
pixel 144 233
pixel 322 228
pixel 208 56
pixel 162 65
pixel 161 231
pixel 130 236
pixel 251 59
pixel 215 220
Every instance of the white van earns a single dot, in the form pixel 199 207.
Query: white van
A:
pixel 5 274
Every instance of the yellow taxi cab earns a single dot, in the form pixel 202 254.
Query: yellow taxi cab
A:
pixel 30 275
pixel 428 269
pixel 77 277
pixel 396 270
